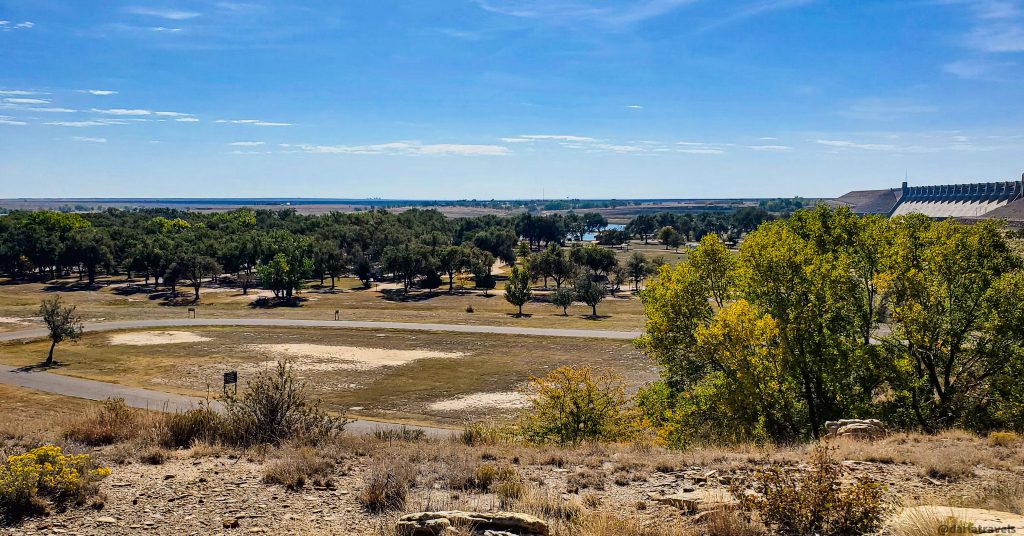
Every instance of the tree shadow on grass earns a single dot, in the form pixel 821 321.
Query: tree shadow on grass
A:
pixel 41 367
pixel 398 295
pixel 596 318
pixel 83 286
pixel 131 290
pixel 517 315
pixel 266 302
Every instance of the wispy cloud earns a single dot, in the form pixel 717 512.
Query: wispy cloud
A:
pixel 919 143
pixel 754 9
pixel 187 119
pixel 169 14
pixel 255 122
pixel 640 148
pixel 634 107
pixel 8 26
pixel 553 137
pixel 121 111
pixel 567 12
pixel 99 92
pixel 7 120
pixel 77 124
pixel 18 92
pixel 248 143
pixel 772 148
pixel 89 140
pixel 406 148
pixel 26 101
pixel 52 110
pixel 977 68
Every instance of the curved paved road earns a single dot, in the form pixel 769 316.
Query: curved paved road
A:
pixel 160 401
pixel 137 397
pixel 39 333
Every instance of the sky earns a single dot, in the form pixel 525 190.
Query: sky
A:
pixel 454 99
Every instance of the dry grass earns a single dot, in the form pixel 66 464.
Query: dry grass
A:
pixel 295 467
pixel 386 485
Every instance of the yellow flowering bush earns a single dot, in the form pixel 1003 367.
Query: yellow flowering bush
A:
pixel 45 475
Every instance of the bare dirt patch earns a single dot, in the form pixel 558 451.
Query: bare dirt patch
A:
pixel 155 338
pixel 482 401
pixel 12 320
pixel 322 357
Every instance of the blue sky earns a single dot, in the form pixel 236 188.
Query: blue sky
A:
pixel 506 98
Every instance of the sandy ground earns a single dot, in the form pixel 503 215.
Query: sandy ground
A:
pixel 154 338
pixel 502 400
pixel 321 357
pixel 12 320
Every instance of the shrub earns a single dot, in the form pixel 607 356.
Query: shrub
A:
pixel 30 482
pixel 275 408
pixel 1003 439
pixel 385 486
pixel 797 503
pixel 112 422
pixel 571 405
pixel 297 467
pixel 200 424
pixel 400 434
pixel 479 434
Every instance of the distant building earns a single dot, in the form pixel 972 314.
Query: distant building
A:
pixel 987 200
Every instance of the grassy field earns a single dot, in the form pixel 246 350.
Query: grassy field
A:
pixel 26 413
pixel 116 300
pixel 395 375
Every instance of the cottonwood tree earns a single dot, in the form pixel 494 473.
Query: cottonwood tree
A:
pixel 517 289
pixel 563 297
pixel 589 291
pixel 195 268
pixel 716 266
pixel 638 269
pixel 62 323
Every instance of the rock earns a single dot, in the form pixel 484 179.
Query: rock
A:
pixel 106 520
pixel 950 520
pixel 231 523
pixel 500 523
pixel 861 429
pixel 692 502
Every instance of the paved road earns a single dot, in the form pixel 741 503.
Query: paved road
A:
pixel 154 400
pixel 39 333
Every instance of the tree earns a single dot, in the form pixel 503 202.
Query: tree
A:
pixel 563 297
pixel 329 258
pixel 361 266
pixel 594 222
pixel 642 226
pixel 480 264
pixel 571 405
pixel 62 323
pixel 451 260
pixel 195 268
pixel 715 265
pixel 517 289
pixel 90 248
pixel 283 275
pixel 589 291
pixel 670 237
pixel 638 269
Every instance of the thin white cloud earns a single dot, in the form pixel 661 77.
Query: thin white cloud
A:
pixel 977 68
pixel 98 92
pixel 256 122
pixel 164 29
pixel 77 124
pixel 885 109
pixel 754 9
pixel 405 148
pixel 772 148
pixel 169 14
pixel 172 114
pixel 121 111
pixel 248 143
pixel 556 137
pixel 26 101
pixel 567 12
pixel 6 26
pixel 17 92
pixel 187 120
pixel 634 107
pixel 6 120
pixel 53 110
pixel 89 140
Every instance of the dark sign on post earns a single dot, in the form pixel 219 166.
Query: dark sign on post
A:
pixel 231 377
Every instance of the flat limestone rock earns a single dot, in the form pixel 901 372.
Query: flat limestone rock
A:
pixel 437 523
pixel 700 500
pixel 952 520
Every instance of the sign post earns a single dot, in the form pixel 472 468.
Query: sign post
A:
pixel 231 377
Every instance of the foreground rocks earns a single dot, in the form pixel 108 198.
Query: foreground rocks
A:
pixel 482 523
pixel 863 429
